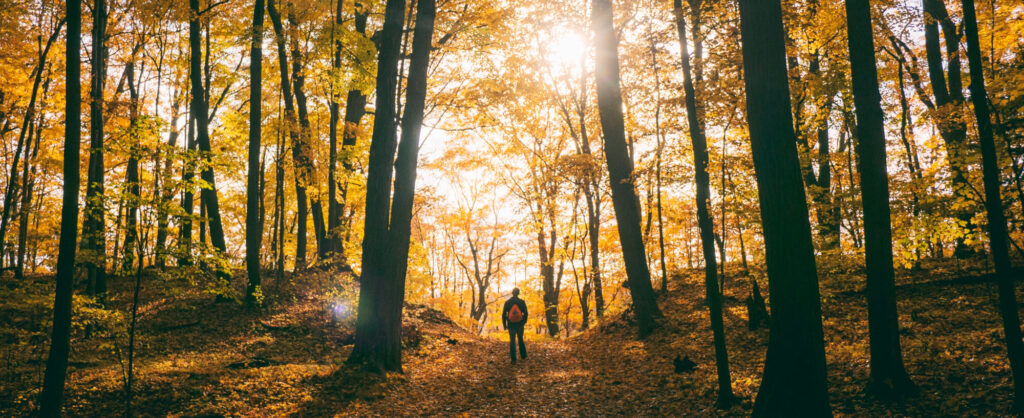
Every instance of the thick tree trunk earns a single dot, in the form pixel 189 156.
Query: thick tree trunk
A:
pixel 51 398
pixel 704 220
pixel 94 227
pixel 378 327
pixel 391 289
pixel 794 381
pixel 998 239
pixel 888 376
pixel 254 194
pixel 620 168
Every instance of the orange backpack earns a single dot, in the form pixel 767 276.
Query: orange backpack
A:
pixel 515 315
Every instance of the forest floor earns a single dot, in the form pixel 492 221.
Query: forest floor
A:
pixel 197 357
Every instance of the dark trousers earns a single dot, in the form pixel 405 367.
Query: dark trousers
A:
pixel 516 331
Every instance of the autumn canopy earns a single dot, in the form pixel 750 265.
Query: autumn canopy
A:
pixel 320 207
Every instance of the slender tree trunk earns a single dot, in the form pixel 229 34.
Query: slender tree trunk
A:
pixel 378 329
pixel 657 168
pixel 29 177
pixel 200 108
pixel 188 197
pixel 94 228
pixel 620 168
pixel 24 136
pixel 355 109
pixel 254 195
pixel 948 102
pixel 993 202
pixel 52 396
pixel 706 223
pixel 888 376
pixel 305 165
pixel 132 187
pixel 330 241
pixel 291 121
pixel 794 380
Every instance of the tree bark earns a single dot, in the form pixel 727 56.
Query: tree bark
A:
pixel 948 102
pixel 305 164
pixel 794 381
pixel 94 227
pixel 355 109
pixel 620 168
pixel 200 109
pixel 254 195
pixel 292 123
pixel 52 395
pixel 132 186
pixel 704 219
pixel 378 328
pixel 998 238
pixel 888 376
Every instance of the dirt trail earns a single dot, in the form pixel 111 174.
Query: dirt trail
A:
pixel 474 377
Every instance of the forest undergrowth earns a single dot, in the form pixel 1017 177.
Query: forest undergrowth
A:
pixel 198 357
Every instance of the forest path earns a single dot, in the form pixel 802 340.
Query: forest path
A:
pixel 474 377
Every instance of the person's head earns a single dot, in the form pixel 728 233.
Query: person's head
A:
pixel 515 292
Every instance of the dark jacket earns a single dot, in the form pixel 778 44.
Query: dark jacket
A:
pixel 508 305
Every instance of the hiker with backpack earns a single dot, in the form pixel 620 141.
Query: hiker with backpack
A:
pixel 513 318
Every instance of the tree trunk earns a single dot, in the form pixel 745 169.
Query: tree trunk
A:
pixel 547 273
pixel 29 176
pixel 948 102
pixel 620 168
pixel 888 376
pixel 794 381
pixel 993 202
pixel 25 137
pixel 355 109
pixel 704 220
pixel 378 327
pixel 291 121
pixel 305 164
pixel 188 197
pixel 94 227
pixel 132 187
pixel 200 109
pixel 51 398
pixel 254 195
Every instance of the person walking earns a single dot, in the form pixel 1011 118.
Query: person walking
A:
pixel 513 318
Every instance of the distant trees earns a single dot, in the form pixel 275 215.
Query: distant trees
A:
pixel 794 380
pixel 52 396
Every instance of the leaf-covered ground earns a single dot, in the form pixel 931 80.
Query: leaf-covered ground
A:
pixel 202 358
